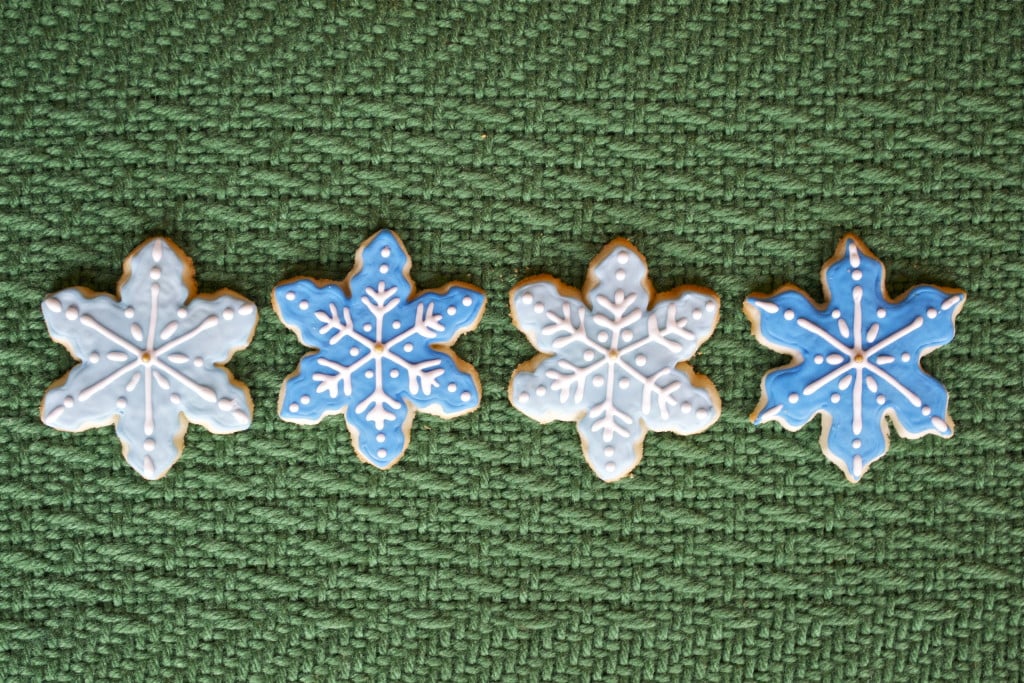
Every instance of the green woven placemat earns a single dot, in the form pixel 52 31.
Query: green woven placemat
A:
pixel 734 143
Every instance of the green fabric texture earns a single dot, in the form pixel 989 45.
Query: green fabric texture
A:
pixel 733 143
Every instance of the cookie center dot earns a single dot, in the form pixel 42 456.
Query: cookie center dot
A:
pixel 378 349
pixel 858 358
pixel 146 357
pixel 613 354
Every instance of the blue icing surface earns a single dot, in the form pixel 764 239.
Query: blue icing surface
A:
pixel 857 359
pixel 380 355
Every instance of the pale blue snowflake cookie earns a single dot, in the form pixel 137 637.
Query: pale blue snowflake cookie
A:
pixel 856 358
pixel 150 359
pixel 382 350
pixel 612 358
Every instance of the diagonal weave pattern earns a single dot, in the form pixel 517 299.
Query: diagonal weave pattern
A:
pixel 734 143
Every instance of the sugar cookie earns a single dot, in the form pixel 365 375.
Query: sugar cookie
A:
pixel 611 361
pixel 150 360
pixel 856 358
pixel 382 350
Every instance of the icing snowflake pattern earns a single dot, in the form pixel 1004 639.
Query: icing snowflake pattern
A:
pixel 381 350
pixel 610 361
pixel 150 359
pixel 856 359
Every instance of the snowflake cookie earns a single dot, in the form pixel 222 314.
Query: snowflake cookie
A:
pixel 382 350
pixel 856 358
pixel 150 359
pixel 611 361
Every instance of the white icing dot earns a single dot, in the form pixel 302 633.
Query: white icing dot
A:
pixel 304 400
pixel 154 273
pixel 93 357
pixel 819 359
pixel 467 301
pixel 835 398
pixel 122 403
pixel 697 314
pixel 354 351
pixel 368 374
pixel 701 414
pixel 452 387
pixel 856 275
pixel 627 335
pixel 385 252
pixel 290 296
pixel 68 401
pixel 198 362
pixel 149 445
pixel 294 408
pixel 303 305
pixel 247 309
pixel 538 307
pixel 588 355
pixel 880 399
pixel 709 306
pixel 71 313
pixel 229 314
pixel 182 313
pixel 225 404
pixel 609 451
pixel 384 269
pixel 856 443
pixel 622 258
pixel 793 398
pixel 905 357
pixel 685 407
pixel 542 390
pixel 640 360
pixel 881 312
pixel 624 383
pixel 394 373
pixel 609 467
pixel 395 325
pixel 451 310
pixel 598 380
pixel 408 347
pixel 53 305
pixel 524 397
pixel 175 399
pixel 367 327
pixel 931 313
pixel 620 275
pixel 129 312
pixel 382 453
pixel 836 314
pixel 465 396
pixel 527 298
pixel 926 411
pixel 602 336
pixel 381 438
pixel 789 314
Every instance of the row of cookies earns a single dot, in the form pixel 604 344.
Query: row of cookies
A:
pixel 612 356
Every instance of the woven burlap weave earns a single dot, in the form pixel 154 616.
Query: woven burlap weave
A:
pixel 733 142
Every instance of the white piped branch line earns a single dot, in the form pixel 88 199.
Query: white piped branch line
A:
pixel 572 332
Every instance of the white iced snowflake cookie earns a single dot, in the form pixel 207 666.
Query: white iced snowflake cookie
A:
pixel 150 359
pixel 612 359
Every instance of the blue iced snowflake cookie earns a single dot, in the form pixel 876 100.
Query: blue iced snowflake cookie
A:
pixel 382 350
pixel 856 358
pixel 150 359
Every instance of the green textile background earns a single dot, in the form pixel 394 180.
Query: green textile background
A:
pixel 734 143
